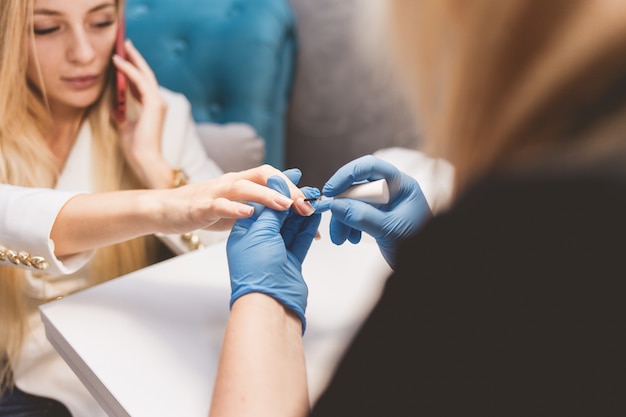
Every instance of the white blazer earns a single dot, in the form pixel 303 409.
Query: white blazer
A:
pixel 26 219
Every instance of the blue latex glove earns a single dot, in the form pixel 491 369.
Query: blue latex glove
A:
pixel 389 223
pixel 266 251
pixel 294 175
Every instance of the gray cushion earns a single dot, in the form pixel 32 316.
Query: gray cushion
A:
pixel 342 105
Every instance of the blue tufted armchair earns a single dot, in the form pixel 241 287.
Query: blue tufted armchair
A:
pixel 233 59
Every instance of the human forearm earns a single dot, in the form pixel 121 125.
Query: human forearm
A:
pixel 90 221
pixel 262 368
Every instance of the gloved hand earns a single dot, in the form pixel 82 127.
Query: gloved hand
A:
pixel 294 175
pixel 389 223
pixel 266 251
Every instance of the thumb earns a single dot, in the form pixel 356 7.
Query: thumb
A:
pixel 359 215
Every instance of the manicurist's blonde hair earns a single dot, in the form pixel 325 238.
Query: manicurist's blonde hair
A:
pixel 26 160
pixel 505 85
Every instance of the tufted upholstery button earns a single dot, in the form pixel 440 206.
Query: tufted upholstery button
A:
pixel 234 11
pixel 179 46
pixel 215 109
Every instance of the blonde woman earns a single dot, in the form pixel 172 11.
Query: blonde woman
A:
pixel 80 194
pixel 509 303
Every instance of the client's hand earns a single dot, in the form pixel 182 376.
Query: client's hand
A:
pixel 266 251
pixel 389 223
pixel 216 204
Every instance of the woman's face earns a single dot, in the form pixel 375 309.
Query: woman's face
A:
pixel 73 43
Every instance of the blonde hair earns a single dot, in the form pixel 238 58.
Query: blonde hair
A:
pixel 26 160
pixel 501 85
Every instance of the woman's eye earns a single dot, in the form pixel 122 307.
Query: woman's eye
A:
pixel 103 24
pixel 45 31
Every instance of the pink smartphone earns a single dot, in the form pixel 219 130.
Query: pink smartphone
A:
pixel 119 106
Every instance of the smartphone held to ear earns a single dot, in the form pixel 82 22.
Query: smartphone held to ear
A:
pixel 119 105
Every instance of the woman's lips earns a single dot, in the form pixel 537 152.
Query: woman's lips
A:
pixel 81 83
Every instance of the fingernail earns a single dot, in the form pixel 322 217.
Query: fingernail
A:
pixel 283 201
pixel 304 207
pixel 246 210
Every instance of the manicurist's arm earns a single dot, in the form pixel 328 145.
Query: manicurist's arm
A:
pixel 262 370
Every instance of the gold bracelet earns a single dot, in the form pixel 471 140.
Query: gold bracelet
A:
pixel 178 178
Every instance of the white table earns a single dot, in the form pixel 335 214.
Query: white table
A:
pixel 147 343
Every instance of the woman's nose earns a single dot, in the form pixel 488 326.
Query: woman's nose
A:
pixel 80 49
